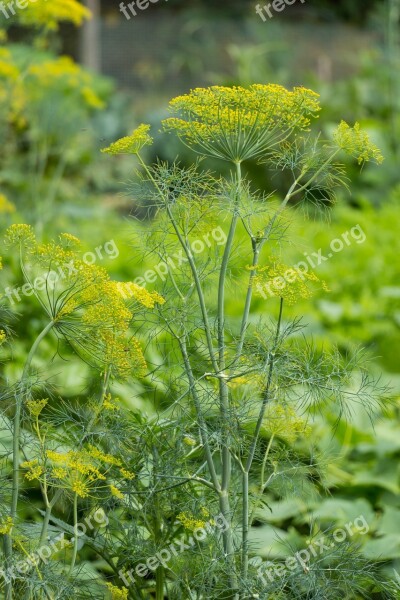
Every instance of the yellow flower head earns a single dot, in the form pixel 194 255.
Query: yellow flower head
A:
pixel 69 240
pixel 189 521
pixel 127 474
pixel 90 311
pixel 80 489
pixel 35 407
pixel 20 234
pixel 3 336
pixel 62 75
pixel 75 470
pixel 284 422
pixel 131 144
pixel 117 593
pixel 116 492
pixel 50 13
pixel 6 207
pixel 8 70
pixel 356 142
pixel 6 525
pixel 285 282
pixel 35 470
pixel 189 441
pixel 110 404
pixel 236 123
pixel 129 289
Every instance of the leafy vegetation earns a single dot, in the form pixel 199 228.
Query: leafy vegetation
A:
pixel 201 401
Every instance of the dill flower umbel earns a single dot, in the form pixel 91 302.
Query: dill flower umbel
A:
pixel 6 525
pixel 117 593
pixel 88 309
pixel 20 234
pixel 284 422
pixel 50 14
pixel 3 336
pixel 109 404
pixel 356 142
pixel 131 144
pixel 116 492
pixel 63 74
pixel 281 281
pixel 189 521
pixel 34 469
pixel 6 207
pixel 75 471
pixel 35 407
pixel 237 123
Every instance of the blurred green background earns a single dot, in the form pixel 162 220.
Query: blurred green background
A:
pixel 57 118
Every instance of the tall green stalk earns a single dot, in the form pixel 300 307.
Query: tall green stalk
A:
pixel 8 539
pixel 250 458
pixel 76 536
pixel 224 500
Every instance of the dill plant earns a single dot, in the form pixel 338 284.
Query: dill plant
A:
pixel 241 392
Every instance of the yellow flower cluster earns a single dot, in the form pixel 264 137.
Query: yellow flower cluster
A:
pixel 6 207
pixel 129 289
pixel 284 422
pixel 35 407
pixel 116 492
pixel 63 73
pixel 109 404
pixel 127 474
pixel 8 69
pixel 25 86
pixel 6 525
pixel 117 593
pixel 189 441
pixel 35 470
pixel 105 458
pixel 131 144
pixel 67 239
pixel 236 123
pixel 189 521
pixel 3 336
pixel 88 307
pixel 77 469
pixel 356 142
pixel 285 282
pixel 20 234
pixel 50 14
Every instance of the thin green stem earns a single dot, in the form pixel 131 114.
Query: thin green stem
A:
pixel 223 386
pixel 262 479
pixel 76 537
pixel 250 458
pixel 192 265
pixel 16 450
pixel 200 417
pixel 257 247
